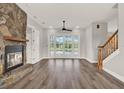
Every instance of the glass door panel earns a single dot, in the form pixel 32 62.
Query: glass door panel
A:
pixel 51 46
pixel 68 46
pixel 59 45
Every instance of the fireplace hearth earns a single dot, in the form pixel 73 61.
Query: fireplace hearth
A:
pixel 14 57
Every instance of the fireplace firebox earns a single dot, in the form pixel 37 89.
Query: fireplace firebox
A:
pixel 14 57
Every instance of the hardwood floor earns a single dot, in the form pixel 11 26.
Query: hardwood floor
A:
pixel 67 74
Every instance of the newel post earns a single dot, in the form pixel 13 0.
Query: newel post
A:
pixel 100 58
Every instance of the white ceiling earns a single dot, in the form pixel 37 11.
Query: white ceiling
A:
pixel 52 14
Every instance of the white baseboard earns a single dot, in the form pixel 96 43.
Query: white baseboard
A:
pixel 91 61
pixel 121 78
pixel 36 61
pixel 62 58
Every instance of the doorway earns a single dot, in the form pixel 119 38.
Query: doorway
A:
pixel 32 48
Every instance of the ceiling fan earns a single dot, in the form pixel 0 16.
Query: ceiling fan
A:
pixel 65 29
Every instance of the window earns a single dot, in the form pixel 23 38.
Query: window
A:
pixel 64 45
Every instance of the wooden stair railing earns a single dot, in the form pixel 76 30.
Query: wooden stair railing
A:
pixel 107 49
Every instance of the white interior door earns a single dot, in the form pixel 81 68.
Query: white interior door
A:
pixel 30 49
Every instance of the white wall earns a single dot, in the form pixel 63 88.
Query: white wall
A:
pixel 116 65
pixel 113 25
pixel 89 44
pixel 99 37
pixel 83 43
pixel 94 38
pixel 45 42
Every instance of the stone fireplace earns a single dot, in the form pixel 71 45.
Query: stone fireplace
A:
pixel 13 23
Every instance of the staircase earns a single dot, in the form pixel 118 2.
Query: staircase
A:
pixel 105 50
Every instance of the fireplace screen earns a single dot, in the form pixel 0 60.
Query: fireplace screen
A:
pixel 14 59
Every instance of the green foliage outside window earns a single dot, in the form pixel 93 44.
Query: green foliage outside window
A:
pixel 64 44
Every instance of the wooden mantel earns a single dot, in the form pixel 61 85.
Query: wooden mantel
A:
pixel 16 39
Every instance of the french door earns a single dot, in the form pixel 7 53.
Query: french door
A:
pixel 64 46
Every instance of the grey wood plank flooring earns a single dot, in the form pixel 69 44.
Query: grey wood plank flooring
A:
pixel 67 74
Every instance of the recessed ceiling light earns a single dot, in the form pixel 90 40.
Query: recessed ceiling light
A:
pixel 77 27
pixel 50 27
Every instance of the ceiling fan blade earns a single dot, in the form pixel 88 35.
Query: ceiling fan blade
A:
pixel 64 27
pixel 68 30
